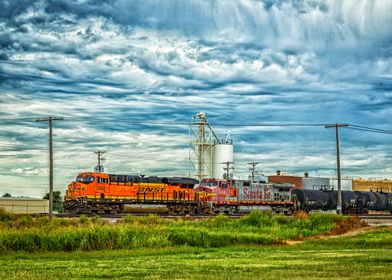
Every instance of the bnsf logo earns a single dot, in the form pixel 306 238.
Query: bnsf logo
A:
pixel 151 189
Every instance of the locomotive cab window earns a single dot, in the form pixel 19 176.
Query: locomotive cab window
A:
pixel 102 180
pixel 85 180
pixel 209 184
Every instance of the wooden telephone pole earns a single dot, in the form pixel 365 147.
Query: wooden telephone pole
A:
pixel 100 159
pixel 253 169
pixel 336 126
pixel 50 122
pixel 227 168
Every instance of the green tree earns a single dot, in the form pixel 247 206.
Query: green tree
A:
pixel 56 200
pixel 7 195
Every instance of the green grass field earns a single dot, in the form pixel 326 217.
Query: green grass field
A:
pixel 259 228
pixel 253 247
pixel 367 256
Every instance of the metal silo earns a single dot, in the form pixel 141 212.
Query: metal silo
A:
pixel 223 158
pixel 201 146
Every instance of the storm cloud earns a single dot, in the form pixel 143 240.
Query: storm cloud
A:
pixel 105 65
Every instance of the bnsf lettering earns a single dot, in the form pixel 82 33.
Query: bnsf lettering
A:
pixel 151 189
pixel 100 188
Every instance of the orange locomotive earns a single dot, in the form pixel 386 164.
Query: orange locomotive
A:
pixel 107 193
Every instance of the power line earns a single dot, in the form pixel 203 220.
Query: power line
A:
pixel 371 130
pixel 180 123
pixel 146 158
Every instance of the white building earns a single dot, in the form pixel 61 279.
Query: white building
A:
pixel 24 205
pixel 345 184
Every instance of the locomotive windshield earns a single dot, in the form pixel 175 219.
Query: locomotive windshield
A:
pixel 209 184
pixel 85 180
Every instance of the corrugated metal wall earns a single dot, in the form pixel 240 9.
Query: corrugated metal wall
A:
pixel 315 183
pixel 24 206
pixel 372 185
pixel 346 184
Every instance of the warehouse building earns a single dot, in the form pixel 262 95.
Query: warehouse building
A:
pixel 372 185
pixel 345 184
pixel 24 205
pixel 306 182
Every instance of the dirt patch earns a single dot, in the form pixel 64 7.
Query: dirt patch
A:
pixel 301 215
pixel 352 232
pixel 348 227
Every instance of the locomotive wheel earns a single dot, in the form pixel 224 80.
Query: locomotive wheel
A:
pixel 206 209
pixel 229 210
pixel 279 210
pixel 170 210
pixel 89 209
pixel 180 209
pixel 288 211
pixel 189 210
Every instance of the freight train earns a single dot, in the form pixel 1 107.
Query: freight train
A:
pixel 352 201
pixel 108 193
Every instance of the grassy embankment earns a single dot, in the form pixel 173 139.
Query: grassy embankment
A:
pixel 367 256
pixel 252 247
pixel 259 228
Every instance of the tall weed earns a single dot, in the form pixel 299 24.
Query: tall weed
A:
pixel 5 215
pixel 258 228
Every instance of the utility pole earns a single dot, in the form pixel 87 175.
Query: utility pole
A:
pixel 50 123
pixel 100 159
pixel 253 168
pixel 227 169
pixel 336 126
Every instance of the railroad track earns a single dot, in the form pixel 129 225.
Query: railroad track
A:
pixel 370 218
pixel 376 219
pixel 161 215
pixel 374 216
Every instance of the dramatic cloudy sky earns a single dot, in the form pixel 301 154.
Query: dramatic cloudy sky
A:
pixel 106 65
